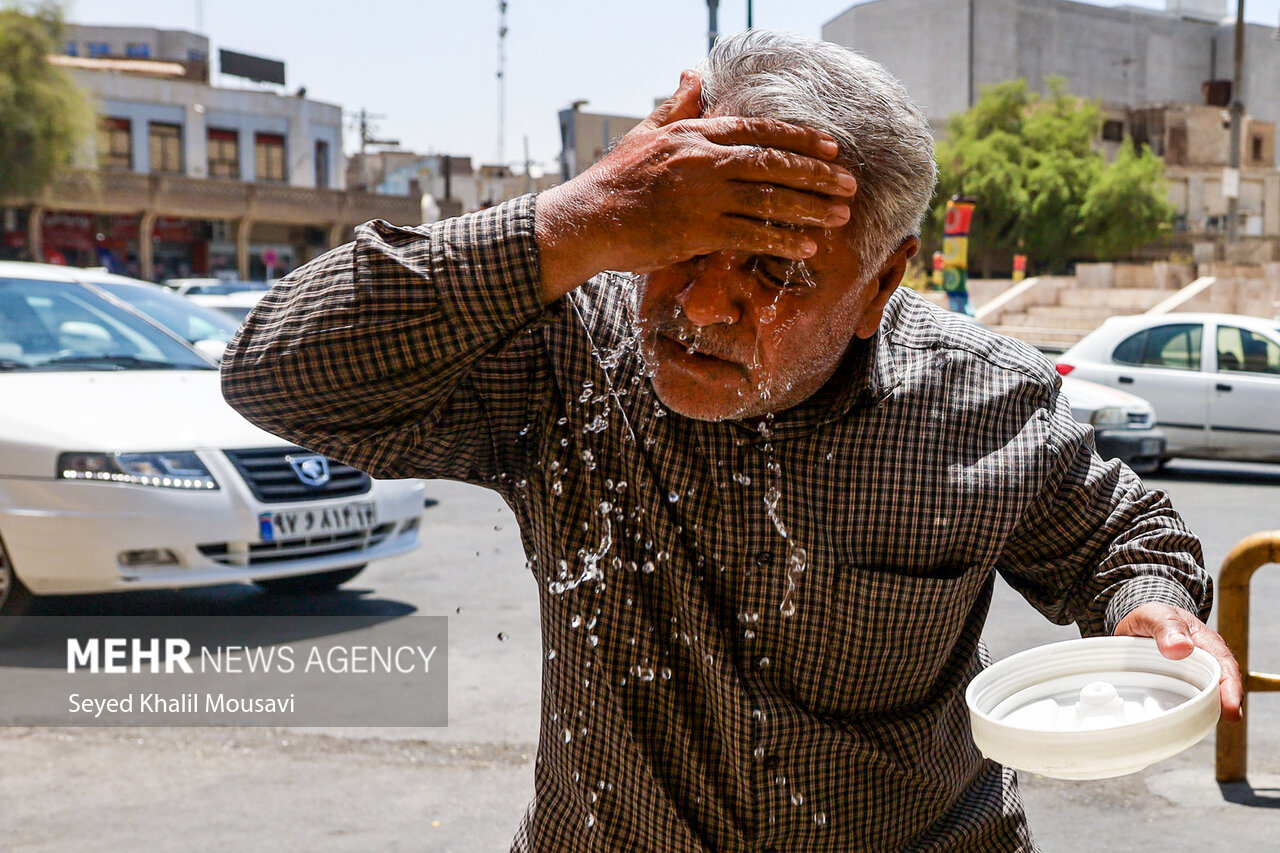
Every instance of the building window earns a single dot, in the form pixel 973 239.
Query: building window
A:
pixel 268 151
pixel 194 55
pixel 224 154
pixel 115 144
pixel 322 163
pixel 72 49
pixel 137 50
pixel 1112 130
pixel 98 48
pixel 166 148
pixel 1255 148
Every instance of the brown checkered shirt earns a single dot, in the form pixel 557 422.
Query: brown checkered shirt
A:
pixel 682 708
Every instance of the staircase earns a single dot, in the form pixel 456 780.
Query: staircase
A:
pixel 1057 311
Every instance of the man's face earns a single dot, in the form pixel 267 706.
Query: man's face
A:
pixel 765 333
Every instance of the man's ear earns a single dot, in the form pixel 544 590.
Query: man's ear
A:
pixel 885 283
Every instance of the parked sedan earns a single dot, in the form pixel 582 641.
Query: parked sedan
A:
pixel 121 467
pixel 1123 424
pixel 205 328
pixel 1214 379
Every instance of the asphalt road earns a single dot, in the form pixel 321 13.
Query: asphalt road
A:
pixel 463 787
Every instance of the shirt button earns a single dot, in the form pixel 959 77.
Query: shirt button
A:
pixel 761 663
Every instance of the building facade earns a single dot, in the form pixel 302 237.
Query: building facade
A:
pixel 1162 77
pixel 183 178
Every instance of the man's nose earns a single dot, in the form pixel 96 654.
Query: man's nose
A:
pixel 716 292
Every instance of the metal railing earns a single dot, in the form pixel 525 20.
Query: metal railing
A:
pixel 1248 555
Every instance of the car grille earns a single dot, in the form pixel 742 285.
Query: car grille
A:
pixel 266 553
pixel 273 480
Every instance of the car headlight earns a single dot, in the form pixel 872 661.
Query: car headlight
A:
pixel 172 470
pixel 1109 416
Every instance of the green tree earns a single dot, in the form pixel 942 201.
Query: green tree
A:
pixel 1042 189
pixel 43 116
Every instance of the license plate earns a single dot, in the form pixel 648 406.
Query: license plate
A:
pixel 1149 447
pixel 317 521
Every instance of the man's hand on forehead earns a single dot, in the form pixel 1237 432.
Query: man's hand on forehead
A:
pixel 681 185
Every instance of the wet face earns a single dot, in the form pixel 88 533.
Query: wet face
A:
pixel 732 336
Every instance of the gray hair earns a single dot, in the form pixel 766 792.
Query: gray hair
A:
pixel 884 140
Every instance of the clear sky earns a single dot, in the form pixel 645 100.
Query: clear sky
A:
pixel 429 66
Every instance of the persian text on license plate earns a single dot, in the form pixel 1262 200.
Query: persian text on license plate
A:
pixel 317 521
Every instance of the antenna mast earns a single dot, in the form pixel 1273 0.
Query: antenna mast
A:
pixel 502 79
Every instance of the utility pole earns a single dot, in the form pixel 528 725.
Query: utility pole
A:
pixel 749 24
pixel 1237 118
pixel 502 80
pixel 713 29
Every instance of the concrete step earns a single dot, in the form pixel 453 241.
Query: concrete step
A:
pixel 1121 300
pixel 1047 339
pixel 1050 320
pixel 1050 315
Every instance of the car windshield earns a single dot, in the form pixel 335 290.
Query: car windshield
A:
pixel 180 315
pixel 55 325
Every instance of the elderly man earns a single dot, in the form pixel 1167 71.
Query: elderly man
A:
pixel 764 492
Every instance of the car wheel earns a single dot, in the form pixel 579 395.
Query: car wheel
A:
pixel 307 584
pixel 14 597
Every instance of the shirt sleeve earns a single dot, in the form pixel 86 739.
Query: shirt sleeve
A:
pixel 1096 543
pixel 402 352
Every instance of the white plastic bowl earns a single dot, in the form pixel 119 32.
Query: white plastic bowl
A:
pixel 1092 708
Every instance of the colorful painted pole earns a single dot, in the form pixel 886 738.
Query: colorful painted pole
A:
pixel 939 264
pixel 955 251
pixel 1019 267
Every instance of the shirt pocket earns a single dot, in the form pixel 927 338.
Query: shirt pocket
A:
pixel 895 637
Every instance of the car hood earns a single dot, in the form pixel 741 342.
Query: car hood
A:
pixel 45 414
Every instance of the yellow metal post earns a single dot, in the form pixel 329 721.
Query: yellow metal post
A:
pixel 1249 555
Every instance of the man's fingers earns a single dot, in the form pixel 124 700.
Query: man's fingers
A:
pixel 784 168
pixel 768 133
pixel 1173 638
pixel 684 103
pixel 782 205
pixel 754 236
pixel 1176 632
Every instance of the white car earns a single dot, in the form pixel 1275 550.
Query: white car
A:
pixel 235 305
pixel 122 468
pixel 207 329
pixel 1124 425
pixel 1214 379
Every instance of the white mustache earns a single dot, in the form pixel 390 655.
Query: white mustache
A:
pixel 715 341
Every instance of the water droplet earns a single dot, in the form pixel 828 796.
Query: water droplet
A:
pixel 665 672
pixel 562 421
pixel 673 496
pixel 502 638
pixel 742 479
pixel 820 818
pixel 797 799
pixel 647 567
pixel 551 654
pixel 593 640
pixel 459 610
pixel 748 617
pixel 575 621
pixel 759 716
pixel 566 735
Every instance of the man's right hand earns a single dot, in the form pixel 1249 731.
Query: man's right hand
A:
pixel 679 185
